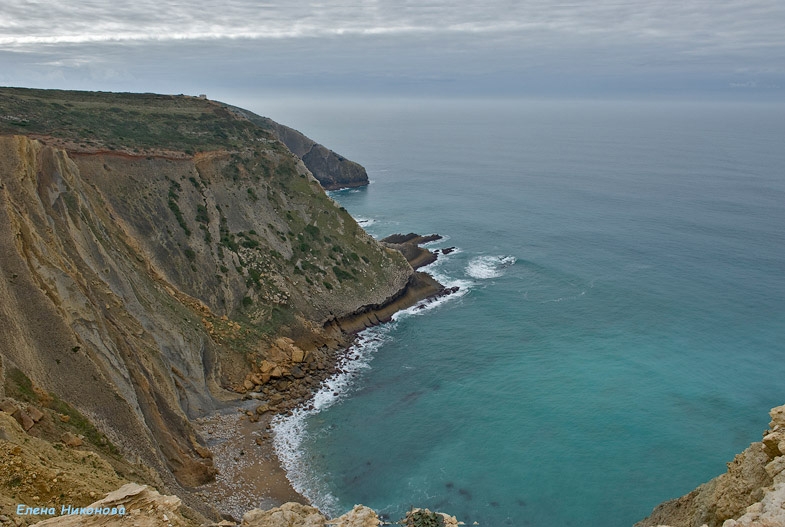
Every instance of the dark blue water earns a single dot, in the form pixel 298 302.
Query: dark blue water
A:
pixel 619 332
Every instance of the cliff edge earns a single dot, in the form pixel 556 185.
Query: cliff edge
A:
pixel 332 170
pixel 750 494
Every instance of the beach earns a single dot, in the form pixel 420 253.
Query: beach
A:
pixel 250 475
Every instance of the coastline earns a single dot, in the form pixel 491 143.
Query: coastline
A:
pixel 250 472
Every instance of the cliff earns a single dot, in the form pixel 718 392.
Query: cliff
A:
pixel 332 170
pixel 160 257
pixel 750 494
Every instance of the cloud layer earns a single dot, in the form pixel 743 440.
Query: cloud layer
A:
pixel 424 39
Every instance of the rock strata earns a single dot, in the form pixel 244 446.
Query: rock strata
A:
pixel 409 246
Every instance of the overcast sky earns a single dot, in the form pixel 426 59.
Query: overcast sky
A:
pixel 423 47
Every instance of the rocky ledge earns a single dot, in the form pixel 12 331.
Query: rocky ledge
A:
pixel 750 494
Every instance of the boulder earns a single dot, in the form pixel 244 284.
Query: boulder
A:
pixel 266 366
pixel 23 419
pixel 34 413
pixel 298 355
pixel 71 440
pixel 8 406
pixel 359 516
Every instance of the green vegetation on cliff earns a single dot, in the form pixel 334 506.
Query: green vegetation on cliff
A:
pixel 115 121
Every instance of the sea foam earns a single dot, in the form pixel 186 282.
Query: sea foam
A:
pixel 483 267
pixel 364 222
pixel 290 432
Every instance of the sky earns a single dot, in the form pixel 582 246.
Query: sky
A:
pixel 495 48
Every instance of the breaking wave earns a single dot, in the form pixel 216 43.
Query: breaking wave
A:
pixel 482 267
pixel 289 432
pixel 364 222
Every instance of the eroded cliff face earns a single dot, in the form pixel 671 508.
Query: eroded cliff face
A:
pixel 143 286
pixel 751 493
pixel 332 170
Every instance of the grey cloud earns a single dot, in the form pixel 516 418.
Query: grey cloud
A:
pixel 384 43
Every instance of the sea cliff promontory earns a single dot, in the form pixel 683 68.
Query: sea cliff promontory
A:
pixel 164 258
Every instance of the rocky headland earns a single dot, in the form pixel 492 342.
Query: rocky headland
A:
pixel 166 260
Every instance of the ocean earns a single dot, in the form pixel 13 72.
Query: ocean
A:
pixel 619 331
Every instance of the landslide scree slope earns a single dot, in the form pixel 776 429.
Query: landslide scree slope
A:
pixel 152 248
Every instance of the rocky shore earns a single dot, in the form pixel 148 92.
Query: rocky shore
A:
pixel 248 471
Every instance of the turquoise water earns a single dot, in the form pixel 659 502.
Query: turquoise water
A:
pixel 618 335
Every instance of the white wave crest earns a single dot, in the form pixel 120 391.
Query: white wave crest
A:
pixel 364 222
pixel 482 267
pixel 448 282
pixel 289 432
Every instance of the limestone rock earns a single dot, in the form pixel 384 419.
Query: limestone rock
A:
pixel 144 507
pixel 287 515
pixel 66 201
pixel 23 419
pixel 266 366
pixel 298 355
pixel 769 512
pixel 71 440
pixel 416 517
pixel 8 406
pixel 34 413
pixel 359 516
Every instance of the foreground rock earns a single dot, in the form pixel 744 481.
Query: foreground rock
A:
pixel 141 506
pixel 297 515
pixel 750 494
pixel 132 504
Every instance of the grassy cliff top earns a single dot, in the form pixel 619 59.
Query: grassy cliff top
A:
pixel 128 121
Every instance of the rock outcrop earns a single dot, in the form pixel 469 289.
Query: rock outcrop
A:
pixel 751 493
pixel 297 515
pixel 131 504
pixel 409 246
